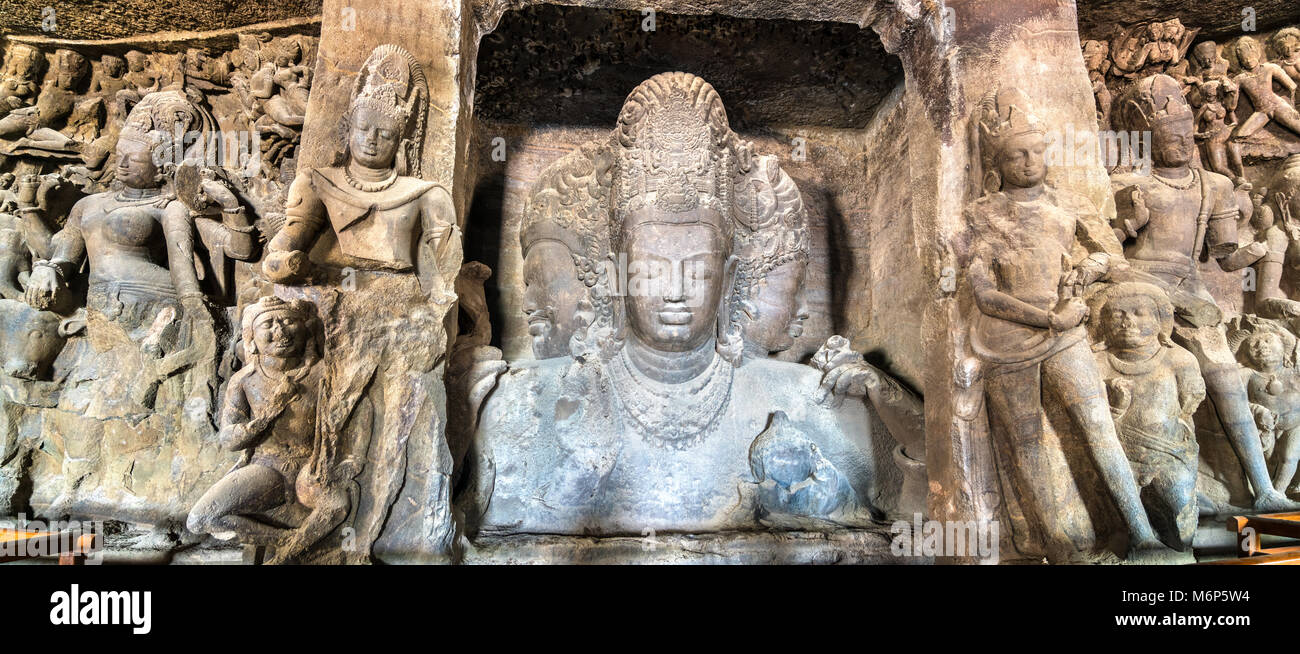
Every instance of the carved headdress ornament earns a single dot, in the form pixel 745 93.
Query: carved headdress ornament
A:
pixel 1153 101
pixel 1003 114
pixel 72 62
pixel 1285 40
pixel 392 83
pixel 772 222
pixel 676 154
pixel 569 204
pixel 170 119
pixel 24 59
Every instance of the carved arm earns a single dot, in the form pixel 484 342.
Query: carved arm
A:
pixel 286 259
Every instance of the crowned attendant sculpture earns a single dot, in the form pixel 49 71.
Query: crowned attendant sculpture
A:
pixel 394 248
pixel 1029 330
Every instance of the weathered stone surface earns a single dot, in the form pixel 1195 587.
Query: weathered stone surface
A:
pixel 836 264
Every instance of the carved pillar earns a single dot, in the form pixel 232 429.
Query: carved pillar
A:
pixel 951 55
pixel 404 512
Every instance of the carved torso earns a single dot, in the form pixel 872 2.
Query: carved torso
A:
pixel 1170 233
pixel 1258 86
pixel 287 443
pixel 124 239
pixel 1151 425
pixel 54 104
pixel 569 461
pixel 1024 254
pixel 1277 390
pixel 1022 246
pixel 380 229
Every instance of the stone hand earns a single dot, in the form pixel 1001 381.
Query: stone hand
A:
pixel 32 190
pixel 286 266
pixel 27 186
pixel 1265 419
pixel 835 352
pixel 482 375
pixel 1284 209
pixel 853 379
pixel 1120 393
pixel 43 287
pixel 1141 214
pixel 1069 313
pixel 220 194
pixel 196 309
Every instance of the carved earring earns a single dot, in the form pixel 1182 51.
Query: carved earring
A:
pixel 992 182
pixel 731 343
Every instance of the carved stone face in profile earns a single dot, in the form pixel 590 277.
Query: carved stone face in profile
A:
pixel 1130 321
pixel 1265 350
pixel 374 137
pixel 135 164
pixel 552 292
pixel 280 334
pixel 1021 162
pixel 675 282
pixel 780 306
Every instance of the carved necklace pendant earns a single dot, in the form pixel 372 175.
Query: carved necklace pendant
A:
pixel 672 415
pixel 1274 386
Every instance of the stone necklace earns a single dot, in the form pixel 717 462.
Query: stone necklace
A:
pixel 1190 182
pixel 124 199
pixel 672 415
pixel 370 187
pixel 1134 368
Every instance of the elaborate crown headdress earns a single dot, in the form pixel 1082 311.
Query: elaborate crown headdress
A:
pixel 772 223
pixel 569 203
pixel 26 55
pixel 1003 113
pixel 166 120
pixel 1153 101
pixel 676 152
pixel 392 83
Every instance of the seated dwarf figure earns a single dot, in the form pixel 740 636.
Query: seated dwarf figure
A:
pixel 657 432
pixel 1154 387
pixel 269 414
pixel 1267 354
